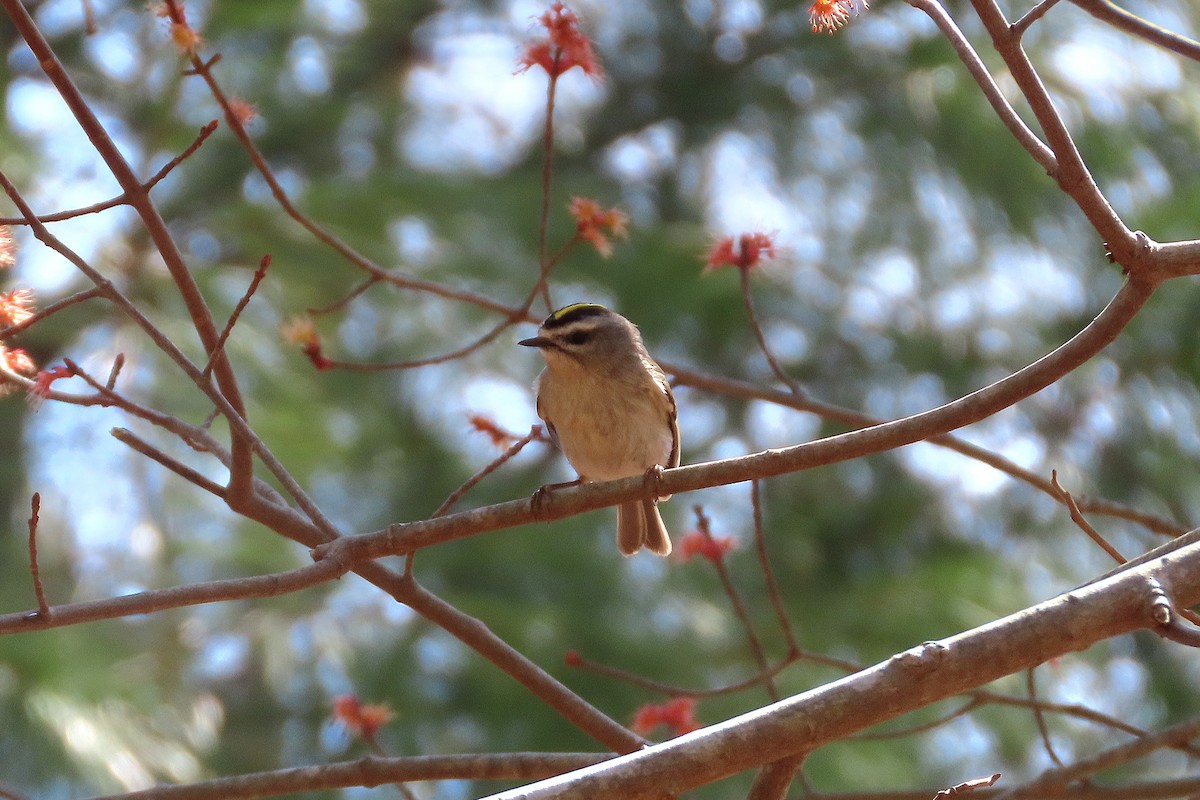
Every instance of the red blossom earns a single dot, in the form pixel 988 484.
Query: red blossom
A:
pixel 360 719
pixel 242 110
pixel 8 248
pixel 303 331
pixel 678 714
pixel 14 360
pixel 827 16
pixel 486 426
pixel 564 48
pixel 699 543
pixel 17 360
pixel 15 307
pixel 743 252
pixel 186 38
pixel 46 377
pixel 595 224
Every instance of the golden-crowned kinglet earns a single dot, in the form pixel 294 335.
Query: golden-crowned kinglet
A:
pixel 609 408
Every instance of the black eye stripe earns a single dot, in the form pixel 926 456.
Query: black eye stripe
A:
pixel 573 313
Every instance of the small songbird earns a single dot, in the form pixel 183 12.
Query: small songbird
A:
pixel 609 408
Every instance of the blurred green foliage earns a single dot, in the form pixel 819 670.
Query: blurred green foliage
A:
pixel 923 254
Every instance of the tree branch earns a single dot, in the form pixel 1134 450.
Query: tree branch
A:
pixel 907 681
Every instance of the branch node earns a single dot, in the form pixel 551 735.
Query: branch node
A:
pixel 1168 624
pixel 922 658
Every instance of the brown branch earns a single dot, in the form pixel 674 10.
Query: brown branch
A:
pixel 480 638
pixel 121 199
pixel 460 352
pixel 857 419
pixel 1039 717
pixel 1149 790
pixel 204 71
pixel 995 97
pixel 373 771
pixel 912 730
pixel 38 590
pixel 154 600
pixel 764 563
pixel 670 690
pixel 345 300
pixel 1082 523
pixel 534 433
pixel 401 538
pixel 905 682
pixel 542 286
pixel 259 274
pixel 1031 16
pixel 48 311
pixel 760 337
pixel 774 780
pixel 1131 23
pixel 703 524
pixel 137 196
pixel 1072 175
pixel 1053 779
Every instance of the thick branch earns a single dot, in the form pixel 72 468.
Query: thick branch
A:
pixel 407 537
pixel 907 681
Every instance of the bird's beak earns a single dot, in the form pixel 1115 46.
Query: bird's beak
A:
pixel 536 341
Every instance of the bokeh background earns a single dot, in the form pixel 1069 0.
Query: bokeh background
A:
pixel 922 255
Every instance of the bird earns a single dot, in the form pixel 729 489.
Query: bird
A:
pixel 609 408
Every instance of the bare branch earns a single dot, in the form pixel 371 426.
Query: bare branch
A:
pixel 764 563
pixel 979 71
pixel 1131 23
pixel 373 771
pixel 401 538
pixel 1082 522
pixel 43 607
pixel 259 274
pixel 1122 754
pixel 905 682
pixel 121 199
pixel 154 600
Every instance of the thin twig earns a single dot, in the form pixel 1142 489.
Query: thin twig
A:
pixel 1131 23
pixel 912 730
pixel 995 97
pixel 1040 718
pixel 259 274
pixel 703 524
pixel 856 419
pixel 1019 27
pixel 345 300
pixel 114 371
pixel 38 589
pixel 760 546
pixel 752 316
pixel 374 771
pixel 1082 522
pixel 128 605
pixel 547 176
pixel 123 198
pixel 50 310
pixel 534 433
pixel 1056 778
pixel 574 659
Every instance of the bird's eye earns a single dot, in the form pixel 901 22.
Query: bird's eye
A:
pixel 578 337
